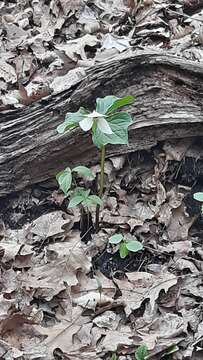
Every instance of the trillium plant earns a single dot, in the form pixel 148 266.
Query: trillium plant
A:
pixel 125 246
pixel 107 125
pixel 77 195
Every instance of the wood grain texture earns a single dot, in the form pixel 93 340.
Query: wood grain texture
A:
pixel 169 100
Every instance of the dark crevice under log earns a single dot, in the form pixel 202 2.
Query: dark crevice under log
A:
pixel 169 100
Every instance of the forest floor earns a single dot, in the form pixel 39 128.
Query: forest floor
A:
pixel 65 291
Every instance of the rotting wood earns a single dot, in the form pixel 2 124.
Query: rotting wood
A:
pixel 168 104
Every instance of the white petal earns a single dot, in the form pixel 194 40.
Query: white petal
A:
pixel 104 126
pixel 86 124
pixel 95 114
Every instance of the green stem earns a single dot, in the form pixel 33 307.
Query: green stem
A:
pixel 101 186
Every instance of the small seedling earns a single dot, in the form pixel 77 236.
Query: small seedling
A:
pixel 125 246
pixel 141 353
pixel 107 126
pixel 199 197
pixel 77 195
pixel 114 357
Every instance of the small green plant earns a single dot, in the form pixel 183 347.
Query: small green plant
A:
pixel 141 353
pixel 77 195
pixel 107 126
pixel 125 246
pixel 199 197
pixel 114 357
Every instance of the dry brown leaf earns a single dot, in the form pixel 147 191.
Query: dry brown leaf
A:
pixel 119 339
pixel 125 221
pixel 115 7
pixel 140 210
pixel 179 225
pixel 108 320
pixel 75 49
pixel 7 72
pixel 33 92
pixel 51 278
pixel 192 317
pixel 89 20
pixel 184 264
pixel 92 292
pixel 15 35
pixel 65 82
pixel 192 287
pixel 164 215
pixel 141 286
pixel 180 248
pixel 52 224
pixel 66 335
pixel 93 299
pixel 167 326
pixel 71 6
pixel 161 194
pixel 110 41
pixel 9 351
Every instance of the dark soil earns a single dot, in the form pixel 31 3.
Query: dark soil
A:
pixel 112 266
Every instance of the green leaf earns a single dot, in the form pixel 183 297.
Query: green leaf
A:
pixel 87 203
pixel 116 239
pixel 64 179
pixel 123 251
pixel 74 201
pixel 141 352
pixel 171 350
pixel 85 193
pixel 114 357
pixel 72 120
pixel 119 120
pixel 103 104
pixel 134 245
pixel 81 191
pixel 91 200
pixel 198 196
pixel 120 102
pixel 95 199
pixel 80 195
pixel 111 103
pixel 119 123
pixel 83 171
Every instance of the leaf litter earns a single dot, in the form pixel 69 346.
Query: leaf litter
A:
pixel 46 46
pixel 62 297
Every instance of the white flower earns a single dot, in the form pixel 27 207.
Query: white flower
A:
pixel 87 123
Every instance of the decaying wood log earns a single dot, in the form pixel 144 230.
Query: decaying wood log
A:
pixel 192 4
pixel 168 104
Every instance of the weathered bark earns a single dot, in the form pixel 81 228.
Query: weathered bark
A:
pixel 192 5
pixel 168 104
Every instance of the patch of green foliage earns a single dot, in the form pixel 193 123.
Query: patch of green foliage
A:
pixel 141 353
pixel 77 195
pixel 125 245
pixel 114 357
pixel 107 126
pixel 199 197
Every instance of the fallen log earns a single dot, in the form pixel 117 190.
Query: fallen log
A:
pixel 168 104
